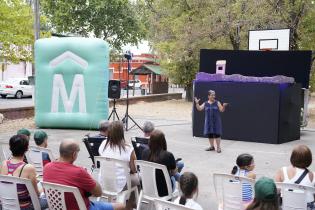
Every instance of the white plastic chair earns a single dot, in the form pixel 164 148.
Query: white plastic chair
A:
pixel 5 152
pixel 55 194
pixel 228 189
pixel 8 192
pixel 34 156
pixel 109 181
pixel 166 205
pixel 149 190
pixel 294 195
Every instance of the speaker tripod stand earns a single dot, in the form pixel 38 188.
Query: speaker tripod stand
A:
pixel 127 116
pixel 113 114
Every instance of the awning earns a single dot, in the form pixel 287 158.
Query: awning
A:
pixel 147 69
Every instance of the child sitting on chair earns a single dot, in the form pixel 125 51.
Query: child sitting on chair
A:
pixel 189 187
pixel 245 166
pixel 41 138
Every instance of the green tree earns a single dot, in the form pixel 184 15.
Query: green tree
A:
pixel 178 29
pixel 16 35
pixel 115 21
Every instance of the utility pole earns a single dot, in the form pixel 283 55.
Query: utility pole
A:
pixel 36 28
pixel 36 19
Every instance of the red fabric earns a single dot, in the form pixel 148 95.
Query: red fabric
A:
pixel 71 175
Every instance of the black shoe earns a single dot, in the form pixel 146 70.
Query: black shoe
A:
pixel 210 149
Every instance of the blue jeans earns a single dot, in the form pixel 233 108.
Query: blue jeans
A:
pixel 98 205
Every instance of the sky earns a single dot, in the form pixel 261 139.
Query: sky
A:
pixel 143 47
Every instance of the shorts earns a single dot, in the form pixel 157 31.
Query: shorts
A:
pixel 99 205
pixel 213 136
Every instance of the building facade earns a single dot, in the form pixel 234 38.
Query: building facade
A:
pixel 118 70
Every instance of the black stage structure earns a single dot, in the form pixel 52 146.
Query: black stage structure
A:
pixel 258 112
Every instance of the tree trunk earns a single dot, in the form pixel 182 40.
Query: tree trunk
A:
pixel 189 92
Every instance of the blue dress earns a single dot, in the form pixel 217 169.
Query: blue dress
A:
pixel 212 119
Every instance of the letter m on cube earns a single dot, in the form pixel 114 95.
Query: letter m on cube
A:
pixel 71 82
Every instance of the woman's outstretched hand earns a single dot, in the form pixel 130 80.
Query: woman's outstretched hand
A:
pixel 225 104
pixel 197 100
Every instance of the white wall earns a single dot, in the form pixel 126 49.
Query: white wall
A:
pixel 16 71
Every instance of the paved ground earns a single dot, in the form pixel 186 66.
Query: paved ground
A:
pixel 268 158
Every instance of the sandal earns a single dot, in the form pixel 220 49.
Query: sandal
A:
pixel 219 150
pixel 210 149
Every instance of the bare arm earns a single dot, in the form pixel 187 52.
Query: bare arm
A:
pixel 252 175
pixel 132 165
pixel 30 173
pixel 199 107
pixel 279 176
pixel 97 190
pixel 222 107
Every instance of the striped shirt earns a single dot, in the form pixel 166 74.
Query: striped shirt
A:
pixel 247 192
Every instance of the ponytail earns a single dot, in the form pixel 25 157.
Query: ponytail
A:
pixel 234 170
pixel 182 200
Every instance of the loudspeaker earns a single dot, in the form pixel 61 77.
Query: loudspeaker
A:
pixel 114 89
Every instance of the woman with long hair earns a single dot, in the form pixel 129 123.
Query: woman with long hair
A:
pixel 157 153
pixel 116 147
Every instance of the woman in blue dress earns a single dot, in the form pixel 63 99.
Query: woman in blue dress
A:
pixel 213 125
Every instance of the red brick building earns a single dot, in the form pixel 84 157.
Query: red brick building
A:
pixel 144 67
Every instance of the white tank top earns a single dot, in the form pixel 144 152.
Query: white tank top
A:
pixel 305 181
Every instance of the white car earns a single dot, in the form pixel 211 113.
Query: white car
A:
pixel 134 83
pixel 17 87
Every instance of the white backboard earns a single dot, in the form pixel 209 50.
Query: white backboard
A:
pixel 278 39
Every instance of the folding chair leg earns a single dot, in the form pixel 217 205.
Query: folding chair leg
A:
pixel 136 194
pixel 139 200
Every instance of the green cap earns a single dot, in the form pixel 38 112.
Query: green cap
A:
pixel 265 189
pixel 24 131
pixel 39 137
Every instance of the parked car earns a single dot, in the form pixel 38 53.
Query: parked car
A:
pixel 17 87
pixel 134 84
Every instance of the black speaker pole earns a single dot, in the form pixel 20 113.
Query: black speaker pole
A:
pixel 127 116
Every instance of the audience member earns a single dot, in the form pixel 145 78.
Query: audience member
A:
pixel 103 128
pixel 18 168
pixel 148 127
pixel 41 140
pixel 244 168
pixel 188 183
pixel 265 195
pixel 25 132
pixel 117 148
pixel 298 172
pixel 158 153
pixel 75 176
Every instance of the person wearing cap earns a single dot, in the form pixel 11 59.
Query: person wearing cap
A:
pixel 265 195
pixel 212 125
pixel 25 132
pixel 41 140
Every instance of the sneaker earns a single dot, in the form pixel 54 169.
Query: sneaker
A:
pixel 219 150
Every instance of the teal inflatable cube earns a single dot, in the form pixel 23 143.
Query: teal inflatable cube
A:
pixel 71 82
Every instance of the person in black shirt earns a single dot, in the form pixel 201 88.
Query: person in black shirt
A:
pixel 157 153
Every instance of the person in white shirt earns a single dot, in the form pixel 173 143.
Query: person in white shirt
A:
pixel 298 172
pixel 116 147
pixel 189 187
